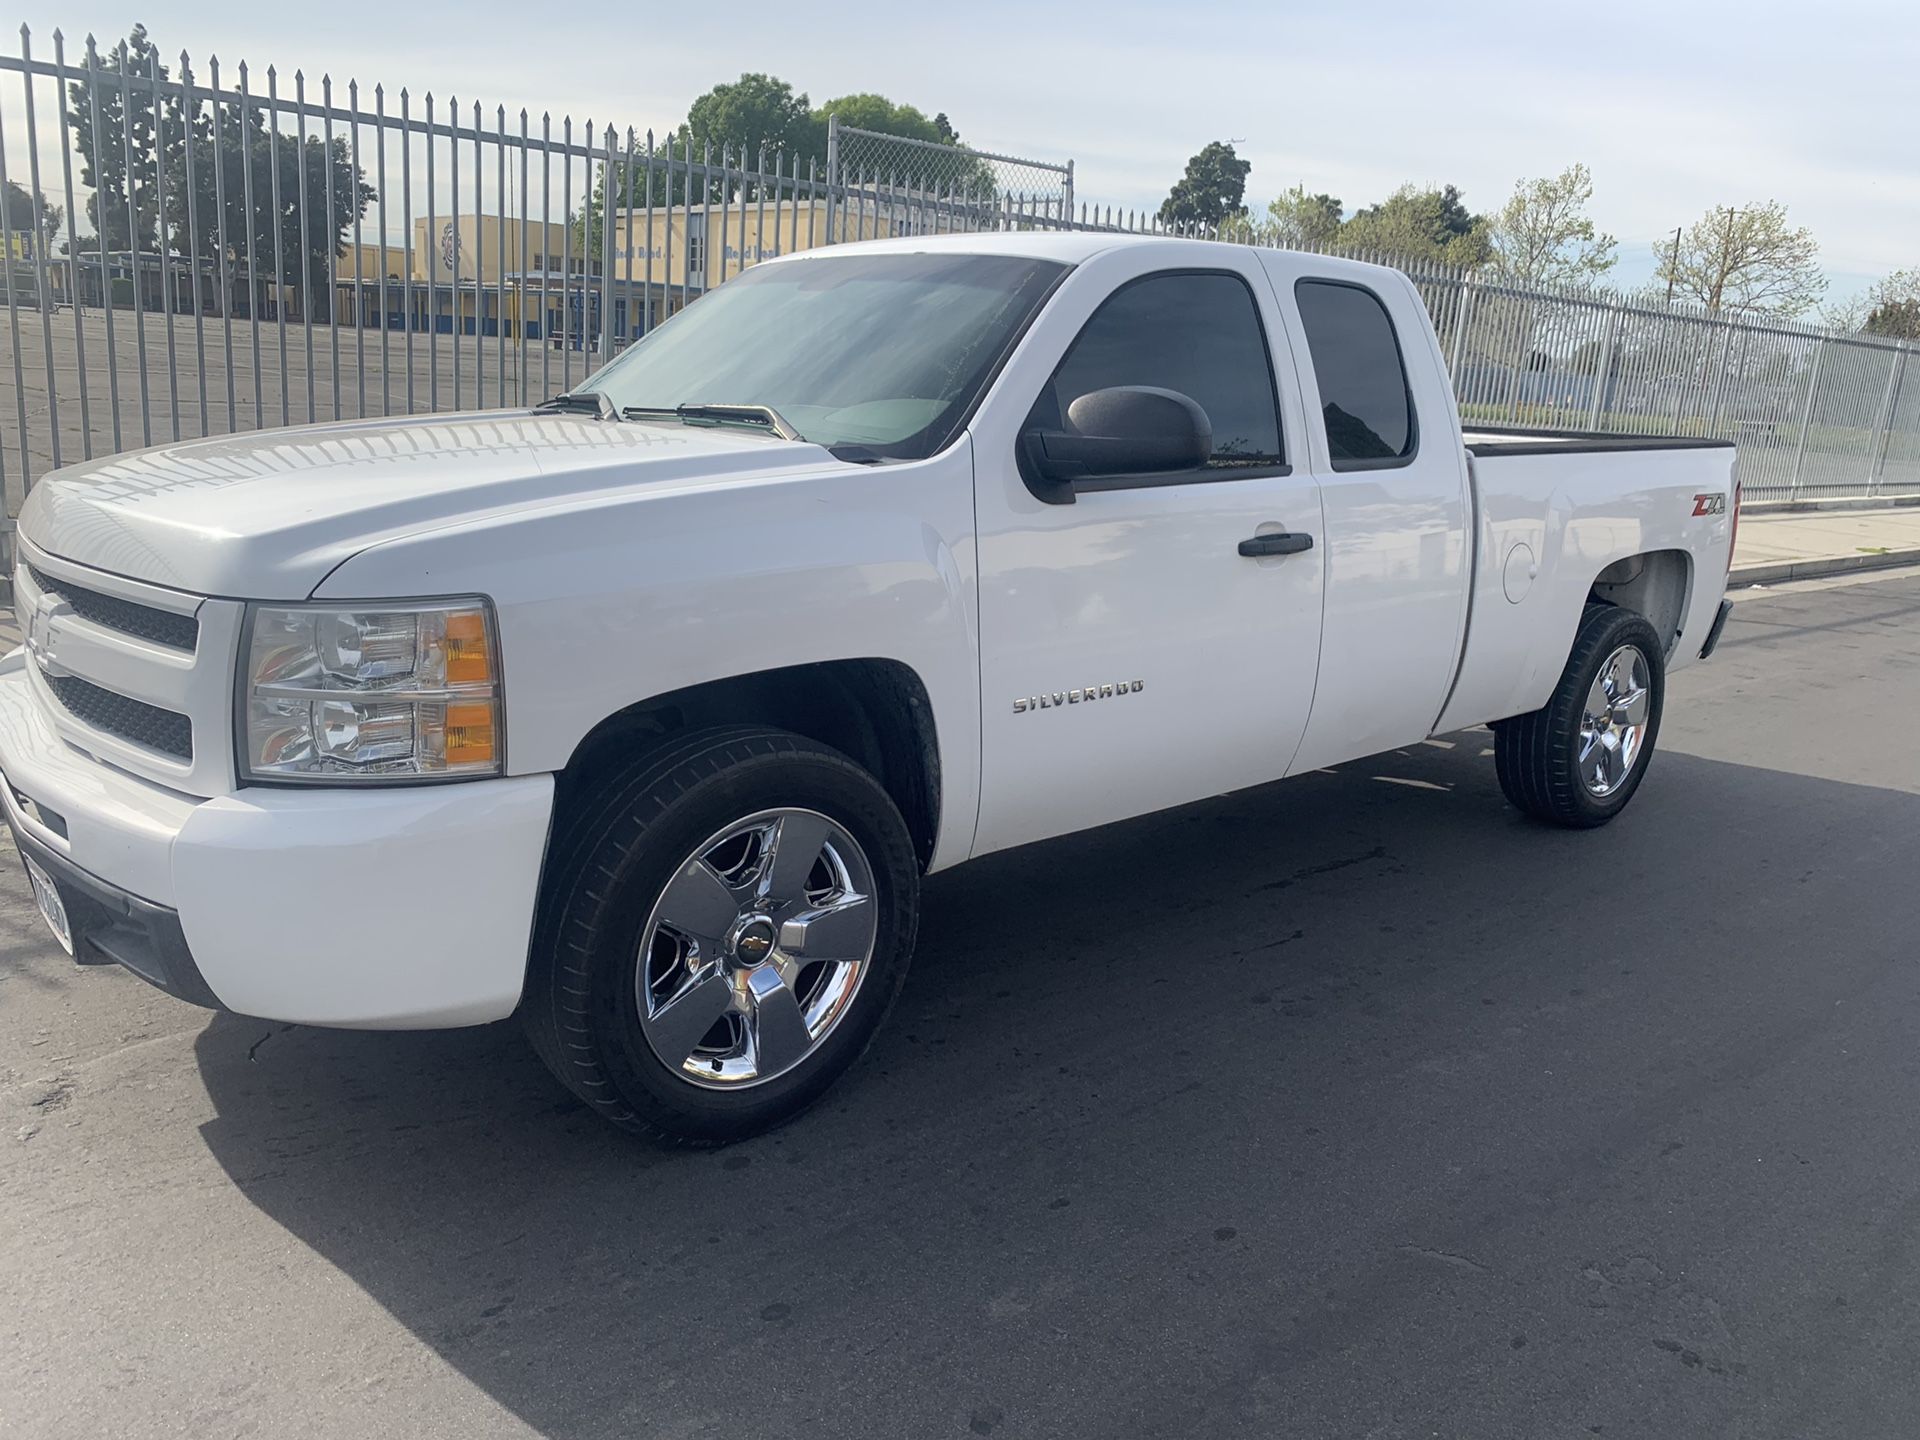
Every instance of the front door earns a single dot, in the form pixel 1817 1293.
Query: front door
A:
pixel 1133 657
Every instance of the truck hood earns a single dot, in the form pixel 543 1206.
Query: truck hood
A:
pixel 267 515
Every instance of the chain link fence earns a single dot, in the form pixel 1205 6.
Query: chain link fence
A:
pixel 186 252
pixel 869 159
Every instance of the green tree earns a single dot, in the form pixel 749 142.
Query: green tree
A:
pixel 908 166
pixel 1213 188
pixel 1416 224
pixel 31 223
pixel 762 115
pixel 1296 220
pixel 754 113
pixel 31 215
pixel 198 229
pixel 868 111
pixel 159 149
pixel 126 114
pixel 741 119
pixel 1746 260
pixel 1543 235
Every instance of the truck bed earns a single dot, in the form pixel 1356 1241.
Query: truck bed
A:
pixel 1551 511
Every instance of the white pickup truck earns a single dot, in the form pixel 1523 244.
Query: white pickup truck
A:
pixel 642 713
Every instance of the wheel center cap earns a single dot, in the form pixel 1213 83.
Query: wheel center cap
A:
pixel 753 942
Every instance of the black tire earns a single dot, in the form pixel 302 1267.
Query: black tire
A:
pixel 1537 755
pixel 618 842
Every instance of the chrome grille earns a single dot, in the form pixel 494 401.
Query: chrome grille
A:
pixel 167 731
pixel 135 674
pixel 143 622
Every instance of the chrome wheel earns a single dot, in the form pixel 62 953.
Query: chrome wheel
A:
pixel 756 948
pixel 1614 724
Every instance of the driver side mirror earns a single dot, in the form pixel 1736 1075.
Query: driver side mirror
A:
pixel 1122 430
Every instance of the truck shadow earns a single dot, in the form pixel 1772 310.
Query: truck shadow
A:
pixel 1160 1118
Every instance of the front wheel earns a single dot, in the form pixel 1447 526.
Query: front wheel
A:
pixel 725 925
pixel 1578 759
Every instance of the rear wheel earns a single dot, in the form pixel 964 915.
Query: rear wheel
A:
pixel 1578 759
pixel 725 926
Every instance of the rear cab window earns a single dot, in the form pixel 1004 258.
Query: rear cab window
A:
pixel 1365 399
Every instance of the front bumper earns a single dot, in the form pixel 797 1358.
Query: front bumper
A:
pixel 111 927
pixel 387 908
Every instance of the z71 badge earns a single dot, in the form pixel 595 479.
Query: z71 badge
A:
pixel 1709 504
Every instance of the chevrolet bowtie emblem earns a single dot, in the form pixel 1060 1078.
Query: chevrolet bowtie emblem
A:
pixel 40 638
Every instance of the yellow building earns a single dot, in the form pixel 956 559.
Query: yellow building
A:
pixel 712 244
pixel 660 261
pixel 497 261
pixel 490 247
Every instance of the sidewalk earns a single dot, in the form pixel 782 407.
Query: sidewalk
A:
pixel 1801 545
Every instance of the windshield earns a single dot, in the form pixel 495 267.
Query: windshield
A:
pixel 883 354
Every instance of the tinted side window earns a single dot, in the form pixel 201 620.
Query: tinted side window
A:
pixel 1363 384
pixel 1195 333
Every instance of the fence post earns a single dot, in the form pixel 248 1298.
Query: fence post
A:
pixel 1895 382
pixel 1066 209
pixel 1461 322
pixel 1806 418
pixel 607 193
pixel 1604 370
pixel 833 171
pixel 1726 371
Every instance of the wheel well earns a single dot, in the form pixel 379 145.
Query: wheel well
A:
pixel 1654 585
pixel 876 712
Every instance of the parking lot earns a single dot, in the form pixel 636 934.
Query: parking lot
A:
pixel 367 376
pixel 1354 1106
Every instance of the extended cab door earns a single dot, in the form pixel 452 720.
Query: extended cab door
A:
pixel 1132 657
pixel 1384 441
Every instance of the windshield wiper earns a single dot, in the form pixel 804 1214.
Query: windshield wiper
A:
pixel 760 417
pixel 584 402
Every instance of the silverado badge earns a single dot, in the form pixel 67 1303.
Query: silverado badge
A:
pixel 1055 698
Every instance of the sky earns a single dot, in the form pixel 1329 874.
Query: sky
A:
pixel 1676 107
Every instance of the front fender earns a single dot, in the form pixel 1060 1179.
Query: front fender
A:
pixel 604 604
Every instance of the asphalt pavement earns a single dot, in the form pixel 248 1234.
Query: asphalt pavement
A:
pixel 1353 1106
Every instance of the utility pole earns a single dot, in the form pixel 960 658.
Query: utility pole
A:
pixel 1673 266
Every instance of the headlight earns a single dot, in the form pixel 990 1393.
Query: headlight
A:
pixel 371 693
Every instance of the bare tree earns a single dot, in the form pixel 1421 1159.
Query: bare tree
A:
pixel 1543 235
pixel 1894 306
pixel 1846 315
pixel 1747 259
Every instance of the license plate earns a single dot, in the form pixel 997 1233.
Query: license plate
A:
pixel 53 909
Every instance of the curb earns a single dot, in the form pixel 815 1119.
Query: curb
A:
pixel 1830 505
pixel 1780 571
